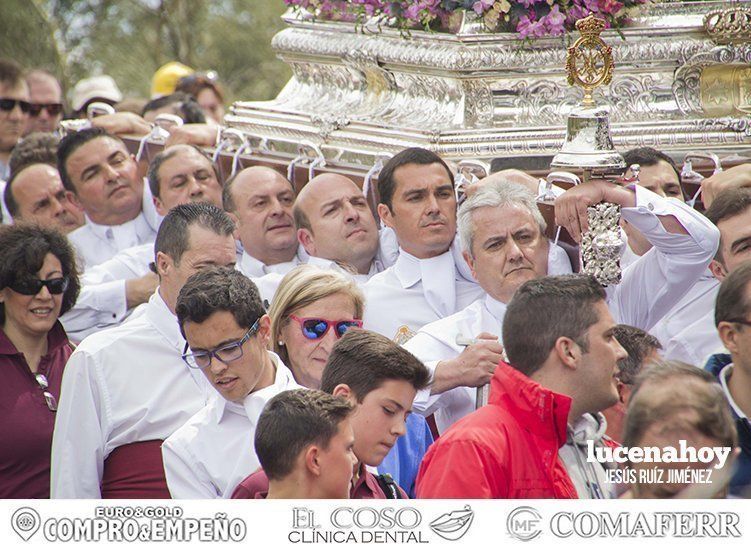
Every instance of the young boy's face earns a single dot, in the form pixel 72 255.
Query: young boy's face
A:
pixel 380 419
pixel 337 463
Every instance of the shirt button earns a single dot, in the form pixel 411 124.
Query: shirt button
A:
pixel 651 207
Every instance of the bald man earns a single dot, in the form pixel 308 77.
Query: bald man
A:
pixel 259 199
pixel 36 194
pixel 336 227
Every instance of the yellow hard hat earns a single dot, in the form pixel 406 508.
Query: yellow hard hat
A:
pixel 165 79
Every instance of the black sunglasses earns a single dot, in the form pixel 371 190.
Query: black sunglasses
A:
pixel 7 104
pixel 52 109
pixel 31 286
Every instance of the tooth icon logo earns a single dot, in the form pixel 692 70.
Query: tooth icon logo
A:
pixel 454 525
pixel 25 522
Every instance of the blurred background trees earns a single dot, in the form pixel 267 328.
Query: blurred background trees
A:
pixel 130 39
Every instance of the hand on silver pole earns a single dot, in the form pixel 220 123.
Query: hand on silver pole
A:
pixel 483 350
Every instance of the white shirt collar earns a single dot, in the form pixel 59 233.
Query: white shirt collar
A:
pixel 496 308
pixel 327 264
pixel 724 375
pixel 253 404
pixel 255 268
pixel 164 321
pixel 408 267
pixel 139 228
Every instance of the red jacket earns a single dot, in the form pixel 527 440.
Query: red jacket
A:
pixel 505 450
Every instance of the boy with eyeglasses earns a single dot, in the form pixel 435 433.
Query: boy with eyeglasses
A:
pixel 227 330
pixel 380 380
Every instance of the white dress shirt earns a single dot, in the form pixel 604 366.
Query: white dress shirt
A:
pixel 268 284
pixel 415 292
pixel 644 294
pixel 657 281
pixel 254 268
pixel 102 303
pixel 95 244
pixel 697 342
pixel 436 342
pixel 121 386
pixel 213 452
pixel 694 305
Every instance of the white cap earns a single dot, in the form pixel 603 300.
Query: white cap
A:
pixel 101 87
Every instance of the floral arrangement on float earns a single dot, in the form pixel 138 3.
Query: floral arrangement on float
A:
pixel 528 18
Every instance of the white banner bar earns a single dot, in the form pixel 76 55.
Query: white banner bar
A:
pixel 374 522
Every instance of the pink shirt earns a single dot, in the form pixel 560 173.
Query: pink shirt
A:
pixel 26 422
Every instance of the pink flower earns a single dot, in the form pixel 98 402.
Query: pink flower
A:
pixel 554 21
pixel 529 28
pixel 481 6
pixel 611 6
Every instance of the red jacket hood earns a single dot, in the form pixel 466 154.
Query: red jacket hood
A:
pixel 534 406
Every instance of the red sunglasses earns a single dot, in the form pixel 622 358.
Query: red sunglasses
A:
pixel 314 328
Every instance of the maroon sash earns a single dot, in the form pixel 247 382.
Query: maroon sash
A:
pixel 135 471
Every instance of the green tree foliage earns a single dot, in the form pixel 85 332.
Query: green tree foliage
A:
pixel 130 39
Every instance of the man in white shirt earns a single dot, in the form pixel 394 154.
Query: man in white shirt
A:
pixel 111 289
pixel 98 169
pixel 35 193
pixel 336 227
pixel 260 201
pixel 502 228
pixel 125 390
pixel 417 201
pixel 695 337
pixel 227 330
pixel 336 230
pixel 658 173
pixel 182 174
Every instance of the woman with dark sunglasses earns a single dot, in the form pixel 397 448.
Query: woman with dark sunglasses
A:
pixel 311 310
pixel 38 283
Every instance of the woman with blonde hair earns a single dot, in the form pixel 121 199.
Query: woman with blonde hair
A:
pixel 311 310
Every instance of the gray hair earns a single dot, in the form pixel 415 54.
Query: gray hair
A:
pixel 495 194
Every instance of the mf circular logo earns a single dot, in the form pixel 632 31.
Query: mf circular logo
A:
pixel 523 523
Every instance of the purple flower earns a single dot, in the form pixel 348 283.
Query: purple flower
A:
pixel 481 6
pixel 554 21
pixel 611 6
pixel 528 27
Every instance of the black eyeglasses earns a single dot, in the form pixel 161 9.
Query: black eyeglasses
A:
pixel 7 104
pixel 49 398
pixel 31 285
pixel 53 109
pixel 227 353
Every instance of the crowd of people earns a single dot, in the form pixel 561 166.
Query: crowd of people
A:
pixel 165 332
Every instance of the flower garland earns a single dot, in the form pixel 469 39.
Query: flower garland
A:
pixel 529 18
